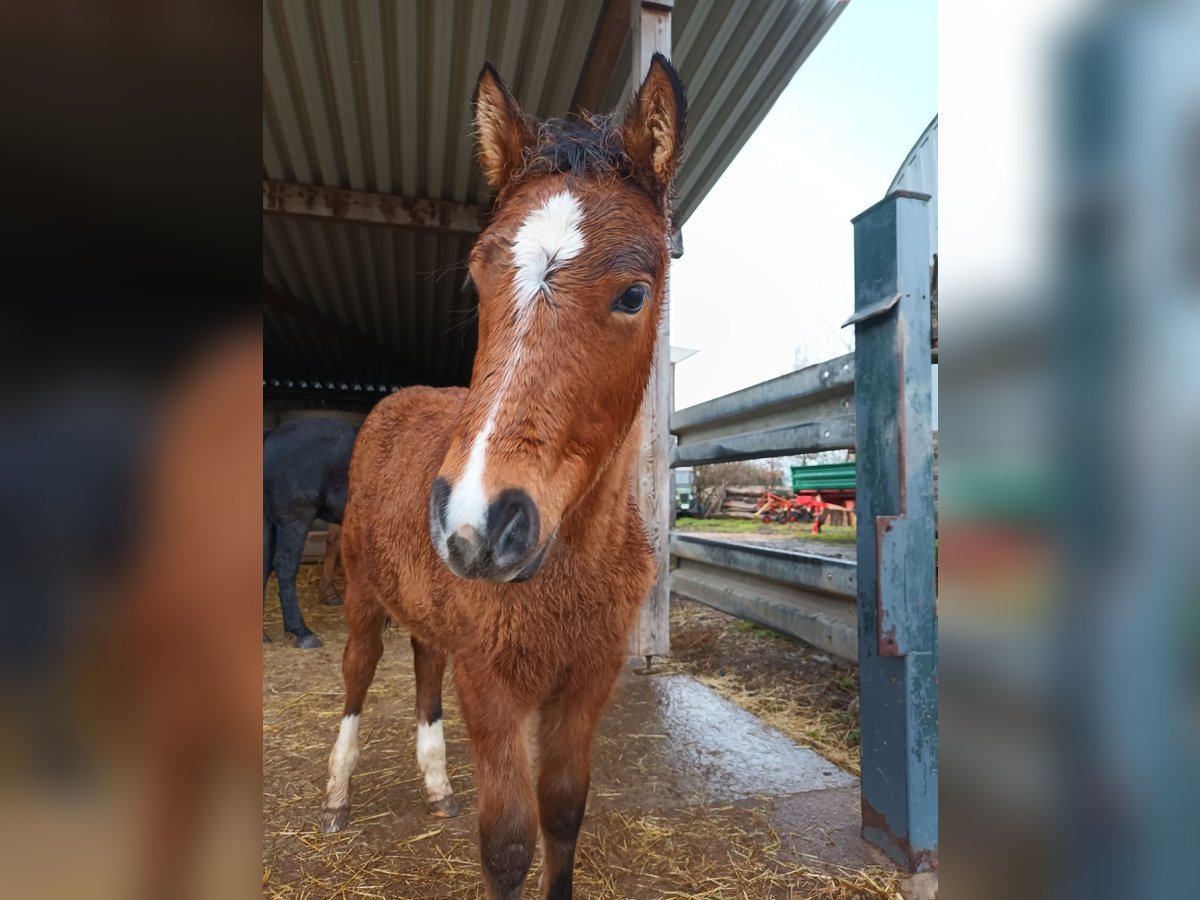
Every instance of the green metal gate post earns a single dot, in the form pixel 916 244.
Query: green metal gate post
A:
pixel 897 615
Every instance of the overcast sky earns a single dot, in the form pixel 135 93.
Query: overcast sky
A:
pixel 768 261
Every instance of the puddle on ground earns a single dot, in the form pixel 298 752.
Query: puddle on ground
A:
pixel 668 740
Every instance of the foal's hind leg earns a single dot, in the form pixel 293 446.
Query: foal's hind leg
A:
pixel 333 546
pixel 364 646
pixel 429 663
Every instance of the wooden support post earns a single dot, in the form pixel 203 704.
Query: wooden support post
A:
pixel 603 56
pixel 897 611
pixel 651 22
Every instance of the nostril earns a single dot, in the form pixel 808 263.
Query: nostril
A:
pixel 514 531
pixel 461 549
pixel 513 519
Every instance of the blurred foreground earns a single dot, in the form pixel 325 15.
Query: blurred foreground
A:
pixel 1070 472
pixel 130 450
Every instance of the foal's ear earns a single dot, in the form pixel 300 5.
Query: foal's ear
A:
pixel 501 130
pixel 655 124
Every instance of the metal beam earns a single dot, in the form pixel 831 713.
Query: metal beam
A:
pixel 820 620
pixel 810 437
pixel 897 610
pixel 933 307
pixel 805 411
pixel 309 201
pixel 824 574
pixel 804 386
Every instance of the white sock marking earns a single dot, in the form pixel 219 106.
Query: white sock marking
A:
pixel 431 757
pixel 548 238
pixel 342 760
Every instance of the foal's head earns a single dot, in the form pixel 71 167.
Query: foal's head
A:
pixel 571 273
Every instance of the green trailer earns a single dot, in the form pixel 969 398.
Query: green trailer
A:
pixel 827 479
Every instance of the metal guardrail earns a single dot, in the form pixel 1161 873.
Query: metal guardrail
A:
pixel 823 574
pixel 807 596
pixel 805 411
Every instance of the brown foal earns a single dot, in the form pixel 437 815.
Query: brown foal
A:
pixel 497 523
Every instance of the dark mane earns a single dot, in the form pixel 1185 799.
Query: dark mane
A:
pixel 577 145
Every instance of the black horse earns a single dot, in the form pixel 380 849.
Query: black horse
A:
pixel 306 471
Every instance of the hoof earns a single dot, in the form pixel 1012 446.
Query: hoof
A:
pixel 332 600
pixel 446 808
pixel 308 642
pixel 334 820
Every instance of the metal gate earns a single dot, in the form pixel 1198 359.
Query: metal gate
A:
pixel 881 609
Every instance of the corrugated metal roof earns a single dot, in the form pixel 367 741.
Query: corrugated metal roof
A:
pixel 375 96
pixel 919 172
pixel 735 58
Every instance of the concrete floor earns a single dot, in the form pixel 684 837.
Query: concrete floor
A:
pixel 670 741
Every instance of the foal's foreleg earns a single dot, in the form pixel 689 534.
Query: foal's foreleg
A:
pixel 364 646
pixel 507 818
pixel 429 664
pixel 565 729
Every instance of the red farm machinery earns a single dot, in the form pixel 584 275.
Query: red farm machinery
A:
pixel 817 491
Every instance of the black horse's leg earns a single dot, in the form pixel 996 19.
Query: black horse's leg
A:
pixel 289 548
pixel 268 555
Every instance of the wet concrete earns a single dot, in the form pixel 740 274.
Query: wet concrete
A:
pixel 667 740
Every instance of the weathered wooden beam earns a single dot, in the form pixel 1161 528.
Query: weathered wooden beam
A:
pixel 603 56
pixel 651 26
pixel 309 201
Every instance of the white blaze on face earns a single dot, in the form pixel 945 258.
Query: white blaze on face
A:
pixel 342 761
pixel 431 757
pixel 548 238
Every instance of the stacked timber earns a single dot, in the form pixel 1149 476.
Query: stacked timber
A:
pixel 742 502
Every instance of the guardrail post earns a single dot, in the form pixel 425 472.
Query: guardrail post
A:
pixel 897 615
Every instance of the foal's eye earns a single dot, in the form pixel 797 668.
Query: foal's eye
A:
pixel 632 299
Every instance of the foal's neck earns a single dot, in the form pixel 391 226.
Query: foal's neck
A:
pixel 603 509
